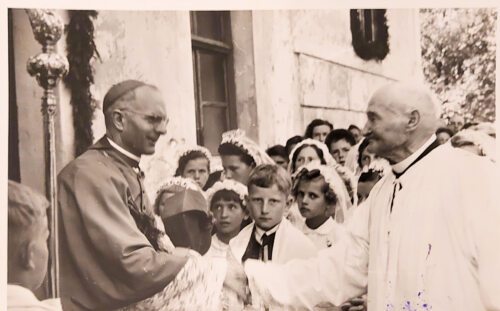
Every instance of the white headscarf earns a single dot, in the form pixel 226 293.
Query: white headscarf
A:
pixel 335 183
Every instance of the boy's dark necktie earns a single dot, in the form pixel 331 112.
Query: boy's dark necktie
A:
pixel 257 251
pixel 266 249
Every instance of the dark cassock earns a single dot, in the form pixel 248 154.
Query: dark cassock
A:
pixel 108 257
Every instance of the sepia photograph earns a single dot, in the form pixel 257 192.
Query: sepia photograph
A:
pixel 337 159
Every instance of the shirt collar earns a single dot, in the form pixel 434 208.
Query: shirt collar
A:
pixel 123 151
pixel 260 232
pixel 401 166
pixel 325 228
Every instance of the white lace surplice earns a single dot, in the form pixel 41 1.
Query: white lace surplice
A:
pixel 198 286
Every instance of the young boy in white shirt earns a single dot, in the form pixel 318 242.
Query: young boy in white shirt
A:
pixel 27 249
pixel 270 236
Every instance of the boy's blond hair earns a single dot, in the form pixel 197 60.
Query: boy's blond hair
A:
pixel 267 175
pixel 26 212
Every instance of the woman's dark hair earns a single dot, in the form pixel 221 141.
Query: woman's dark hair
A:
pixel 305 175
pixel 319 152
pixel 212 179
pixel 362 148
pixel 313 124
pixel 369 176
pixel 466 126
pixel 192 155
pixel 226 195
pixel 277 150
pixel 339 134
pixel 294 140
pixel 353 127
pixel 228 149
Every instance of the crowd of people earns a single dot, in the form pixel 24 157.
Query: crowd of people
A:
pixel 399 215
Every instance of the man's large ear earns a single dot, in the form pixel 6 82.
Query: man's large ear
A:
pixel 27 255
pixel 414 120
pixel 117 119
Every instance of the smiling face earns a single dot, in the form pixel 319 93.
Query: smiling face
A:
pixel 320 132
pixel 143 121
pixel 385 128
pixel 197 170
pixel 235 168
pixel 266 206
pixel 306 155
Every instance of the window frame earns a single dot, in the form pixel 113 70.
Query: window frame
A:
pixel 202 44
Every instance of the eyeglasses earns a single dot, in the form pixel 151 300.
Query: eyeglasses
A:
pixel 154 120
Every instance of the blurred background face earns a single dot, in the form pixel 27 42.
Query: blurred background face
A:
pixel 236 169
pixel 279 160
pixel 356 134
pixel 144 121
pixel 456 123
pixel 320 132
pixel 339 150
pixel 197 170
pixel 266 206
pixel 306 155
pixel 228 216
pixel 443 137
pixel 366 158
pixel 311 199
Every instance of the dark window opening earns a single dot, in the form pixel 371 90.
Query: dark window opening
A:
pixel 370 37
pixel 213 76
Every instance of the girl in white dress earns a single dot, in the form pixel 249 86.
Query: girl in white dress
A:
pixel 319 191
pixel 227 202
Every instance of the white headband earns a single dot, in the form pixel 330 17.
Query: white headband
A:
pixel 228 184
pixel 238 138
pixel 181 182
pixel 330 161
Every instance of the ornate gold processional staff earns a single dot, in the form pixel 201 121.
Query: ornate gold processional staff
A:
pixel 48 68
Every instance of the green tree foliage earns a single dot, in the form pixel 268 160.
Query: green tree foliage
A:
pixel 458 59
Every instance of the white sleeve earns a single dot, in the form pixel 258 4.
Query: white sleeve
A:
pixel 482 210
pixel 334 275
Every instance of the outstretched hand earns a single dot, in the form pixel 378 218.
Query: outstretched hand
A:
pixel 236 279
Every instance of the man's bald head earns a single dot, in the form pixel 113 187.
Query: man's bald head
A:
pixel 405 97
pixel 401 117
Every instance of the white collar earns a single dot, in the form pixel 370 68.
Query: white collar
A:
pixel 22 298
pixel 123 151
pixel 259 232
pixel 325 228
pixel 401 166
